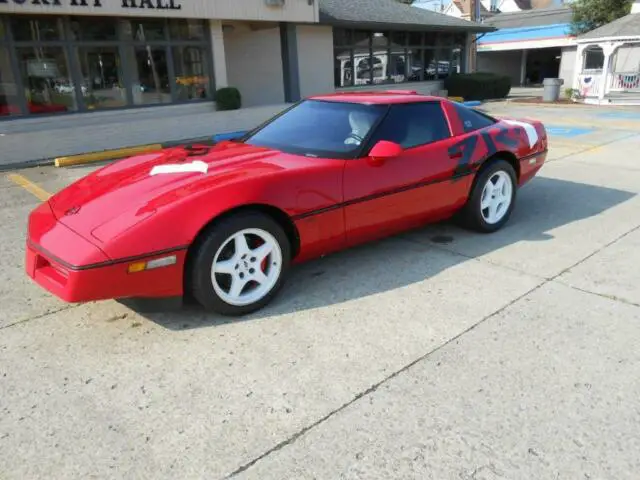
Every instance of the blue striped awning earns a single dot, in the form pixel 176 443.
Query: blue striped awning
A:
pixel 522 34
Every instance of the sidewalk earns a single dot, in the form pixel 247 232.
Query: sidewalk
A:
pixel 36 139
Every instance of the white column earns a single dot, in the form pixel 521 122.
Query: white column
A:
pixel 523 67
pixel 219 57
pixel 609 51
pixel 577 67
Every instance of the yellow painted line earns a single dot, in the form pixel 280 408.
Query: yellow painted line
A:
pixel 105 155
pixel 29 186
pixel 456 99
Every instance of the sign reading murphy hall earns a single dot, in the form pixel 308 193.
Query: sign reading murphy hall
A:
pixel 298 11
pixel 152 4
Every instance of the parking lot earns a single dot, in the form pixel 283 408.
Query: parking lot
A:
pixel 438 354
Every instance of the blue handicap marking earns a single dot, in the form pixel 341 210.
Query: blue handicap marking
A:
pixel 567 132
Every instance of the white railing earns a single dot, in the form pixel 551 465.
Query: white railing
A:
pixel 625 82
pixel 589 84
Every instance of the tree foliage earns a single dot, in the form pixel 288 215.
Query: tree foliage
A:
pixel 590 14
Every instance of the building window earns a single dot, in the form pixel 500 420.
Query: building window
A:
pixel 66 64
pixel 45 74
pixel 593 59
pixel 150 75
pixel 191 69
pixel 36 29
pixel 102 72
pixel 9 103
pixel 372 58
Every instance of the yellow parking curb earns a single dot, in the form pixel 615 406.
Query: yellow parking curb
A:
pixel 456 99
pixel 84 158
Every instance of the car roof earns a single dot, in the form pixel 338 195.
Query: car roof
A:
pixel 380 97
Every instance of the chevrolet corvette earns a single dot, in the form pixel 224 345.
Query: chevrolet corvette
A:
pixel 222 223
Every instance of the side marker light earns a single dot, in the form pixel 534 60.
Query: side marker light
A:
pixel 152 264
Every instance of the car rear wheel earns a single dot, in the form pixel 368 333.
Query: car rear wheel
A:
pixel 492 198
pixel 241 264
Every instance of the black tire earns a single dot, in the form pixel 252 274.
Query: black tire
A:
pixel 201 262
pixel 471 215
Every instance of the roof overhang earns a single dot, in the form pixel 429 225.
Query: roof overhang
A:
pixel 418 27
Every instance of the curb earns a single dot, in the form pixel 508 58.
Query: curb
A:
pixel 42 162
pixel 85 158
pixel 102 155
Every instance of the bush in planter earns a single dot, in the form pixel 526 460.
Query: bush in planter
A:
pixel 478 86
pixel 228 98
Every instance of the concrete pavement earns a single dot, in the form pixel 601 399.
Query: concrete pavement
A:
pixel 436 354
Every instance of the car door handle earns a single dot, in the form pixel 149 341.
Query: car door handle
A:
pixel 456 155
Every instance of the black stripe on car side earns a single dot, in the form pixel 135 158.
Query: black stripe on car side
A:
pixel 397 190
pixel 375 196
pixel 108 263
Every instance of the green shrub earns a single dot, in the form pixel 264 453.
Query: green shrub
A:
pixel 228 98
pixel 478 86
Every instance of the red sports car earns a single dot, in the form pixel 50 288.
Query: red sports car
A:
pixel 223 223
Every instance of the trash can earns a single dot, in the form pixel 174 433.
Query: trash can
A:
pixel 551 89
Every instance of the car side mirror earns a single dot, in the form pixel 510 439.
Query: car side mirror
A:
pixel 382 151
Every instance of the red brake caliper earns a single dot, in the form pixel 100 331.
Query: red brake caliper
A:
pixel 263 263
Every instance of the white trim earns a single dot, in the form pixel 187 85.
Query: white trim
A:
pixel 528 45
pixel 632 38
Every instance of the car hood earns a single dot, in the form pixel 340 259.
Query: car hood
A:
pixel 113 199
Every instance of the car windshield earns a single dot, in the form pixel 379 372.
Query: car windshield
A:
pixel 320 128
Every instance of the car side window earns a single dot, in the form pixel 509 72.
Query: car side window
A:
pixel 472 120
pixel 414 124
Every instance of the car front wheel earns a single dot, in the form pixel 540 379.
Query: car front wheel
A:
pixel 241 264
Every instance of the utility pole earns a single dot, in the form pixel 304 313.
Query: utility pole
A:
pixel 472 50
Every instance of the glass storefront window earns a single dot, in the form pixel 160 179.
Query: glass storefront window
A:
pixel 429 64
pixel 399 38
pixel 145 30
pixel 391 57
pixel 342 37
pixel 150 74
pixel 93 29
pixel 8 89
pixel 186 30
pixel 397 67
pixel 444 62
pixel 456 61
pixel 415 69
pixel 56 64
pixel 342 68
pixel 415 39
pixel 360 37
pixel 103 84
pixel 36 29
pixel 191 67
pixel 45 76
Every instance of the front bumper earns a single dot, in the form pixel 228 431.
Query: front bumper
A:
pixel 73 269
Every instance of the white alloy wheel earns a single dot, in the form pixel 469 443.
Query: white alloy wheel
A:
pixel 246 267
pixel 496 197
